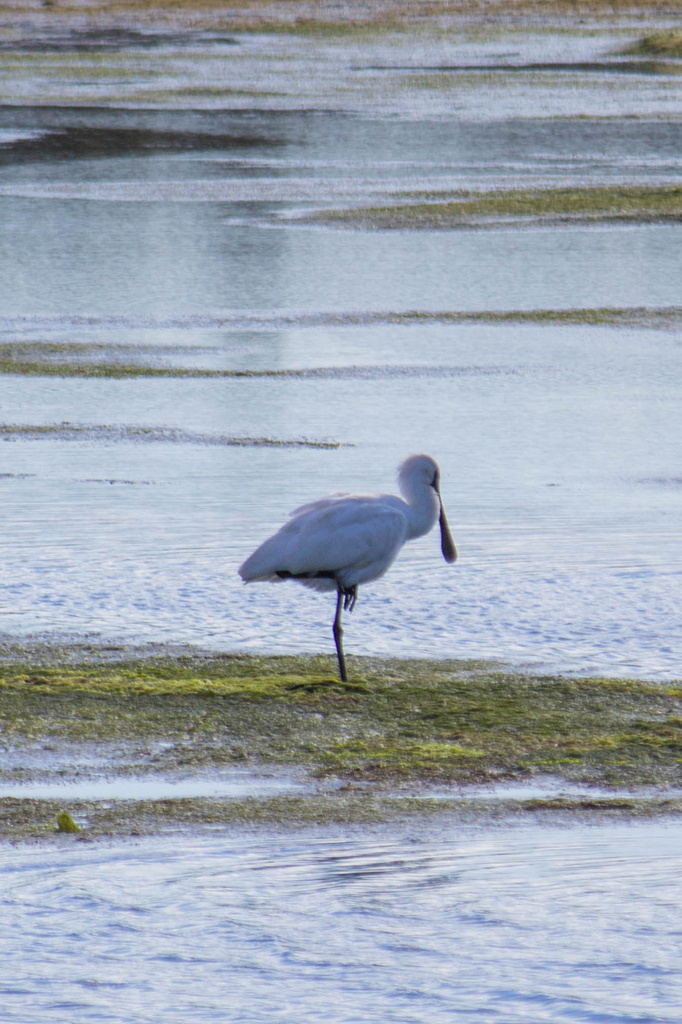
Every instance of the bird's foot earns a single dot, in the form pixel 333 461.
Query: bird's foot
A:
pixel 349 598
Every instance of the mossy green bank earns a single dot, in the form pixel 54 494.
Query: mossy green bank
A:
pixel 149 435
pixel 76 359
pixel 625 204
pixel 36 820
pixel 660 44
pixel 372 748
pixel 399 721
pixel 328 18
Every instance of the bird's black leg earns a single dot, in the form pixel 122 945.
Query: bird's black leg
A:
pixel 349 598
pixel 338 635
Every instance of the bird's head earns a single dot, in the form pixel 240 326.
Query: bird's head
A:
pixel 417 472
pixel 415 475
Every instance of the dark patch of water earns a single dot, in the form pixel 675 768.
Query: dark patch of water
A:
pixel 106 40
pixel 91 142
pixel 630 67
pixel 365 144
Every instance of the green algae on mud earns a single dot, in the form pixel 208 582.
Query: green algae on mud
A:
pixel 65 823
pixel 34 820
pixel 116 371
pixel 660 44
pixel 75 359
pixel 11 362
pixel 629 204
pixel 325 17
pixel 635 316
pixel 45 368
pixel 148 435
pixel 373 748
pixel 395 721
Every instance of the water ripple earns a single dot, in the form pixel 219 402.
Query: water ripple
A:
pixel 443 925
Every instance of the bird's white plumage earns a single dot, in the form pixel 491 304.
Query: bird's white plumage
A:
pixel 354 538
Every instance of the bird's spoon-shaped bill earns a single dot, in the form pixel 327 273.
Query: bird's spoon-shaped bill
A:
pixel 447 544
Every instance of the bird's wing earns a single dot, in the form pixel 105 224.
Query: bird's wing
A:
pixel 331 536
pixel 350 532
pixel 330 499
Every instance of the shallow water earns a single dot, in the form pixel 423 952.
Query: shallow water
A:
pixel 455 75
pixel 63 783
pixel 171 234
pixel 435 923
pixel 234 784
pixel 561 474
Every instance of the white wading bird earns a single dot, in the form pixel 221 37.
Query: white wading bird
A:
pixel 344 540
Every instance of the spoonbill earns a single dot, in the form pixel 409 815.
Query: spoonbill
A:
pixel 344 540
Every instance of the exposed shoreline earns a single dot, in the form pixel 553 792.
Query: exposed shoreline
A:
pixel 618 204
pixel 402 739
pixel 302 14
pixel 27 19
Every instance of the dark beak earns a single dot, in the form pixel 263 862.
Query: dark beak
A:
pixel 447 544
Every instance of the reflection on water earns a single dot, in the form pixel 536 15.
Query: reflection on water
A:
pixel 513 925
pixel 111 257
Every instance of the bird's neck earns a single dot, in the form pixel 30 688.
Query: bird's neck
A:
pixel 424 509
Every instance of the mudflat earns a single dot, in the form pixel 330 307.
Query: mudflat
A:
pixel 400 738
pixel 323 16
